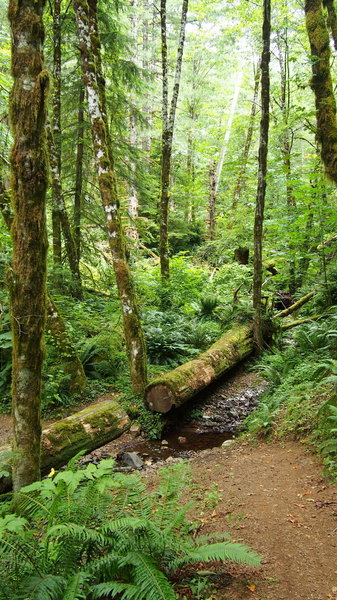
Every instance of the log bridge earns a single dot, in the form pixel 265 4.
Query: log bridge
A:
pixel 176 387
pixel 180 385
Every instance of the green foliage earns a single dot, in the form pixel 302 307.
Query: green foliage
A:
pixel 102 355
pixel 93 533
pixel 166 337
pixel 151 423
pixel 301 376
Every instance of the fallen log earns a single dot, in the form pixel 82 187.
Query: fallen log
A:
pixel 176 387
pixel 87 429
pixel 300 322
pixel 295 306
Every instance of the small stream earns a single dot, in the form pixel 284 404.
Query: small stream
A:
pixel 214 416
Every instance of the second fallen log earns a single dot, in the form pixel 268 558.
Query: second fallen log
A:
pixel 176 387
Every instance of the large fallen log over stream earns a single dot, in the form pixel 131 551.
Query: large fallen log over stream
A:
pixel 176 387
pixel 87 429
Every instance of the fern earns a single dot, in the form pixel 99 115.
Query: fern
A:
pixel 46 587
pixel 93 533
pixel 223 551
pixel 152 583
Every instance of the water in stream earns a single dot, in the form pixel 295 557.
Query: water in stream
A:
pixel 215 415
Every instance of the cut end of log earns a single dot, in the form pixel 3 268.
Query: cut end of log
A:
pixel 160 398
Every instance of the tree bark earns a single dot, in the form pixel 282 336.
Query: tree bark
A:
pixel 211 201
pixel 28 278
pixel 72 366
pixel 133 201
pixel 56 132
pixel 86 430
pixel 332 19
pixel 94 82
pixel 261 186
pixel 176 387
pixel 322 86
pixel 79 175
pixel 59 207
pixel 67 353
pixel 168 117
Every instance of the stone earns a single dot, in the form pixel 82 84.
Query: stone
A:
pixel 135 430
pixel 131 459
pixel 182 439
pixel 164 443
pixel 227 443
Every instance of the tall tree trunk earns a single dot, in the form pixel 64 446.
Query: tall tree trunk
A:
pixel 94 82
pixel 60 218
pixel 56 132
pixel 28 277
pixel 286 143
pixel 224 147
pixel 168 116
pixel 68 357
pixel 241 179
pixel 261 185
pixel 5 204
pixel 71 364
pixel 211 201
pixel 332 19
pixel 79 175
pixel 147 67
pixel 321 85
pixel 61 209
pixel 218 171
pixel 133 202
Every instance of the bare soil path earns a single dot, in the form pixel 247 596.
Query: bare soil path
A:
pixel 275 499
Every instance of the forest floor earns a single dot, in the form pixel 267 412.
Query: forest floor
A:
pixel 272 497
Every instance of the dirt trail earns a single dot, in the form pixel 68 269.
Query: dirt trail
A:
pixel 274 499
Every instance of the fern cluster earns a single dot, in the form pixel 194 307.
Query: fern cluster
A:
pixel 301 397
pixel 92 533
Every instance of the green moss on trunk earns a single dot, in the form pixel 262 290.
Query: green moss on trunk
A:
pixel 86 17
pixel 184 382
pixel 88 429
pixel 72 366
pixel 321 84
pixel 28 277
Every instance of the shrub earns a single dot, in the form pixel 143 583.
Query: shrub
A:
pixel 95 534
pixel 102 355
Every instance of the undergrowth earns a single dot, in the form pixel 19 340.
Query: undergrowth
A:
pixel 301 398
pixel 92 533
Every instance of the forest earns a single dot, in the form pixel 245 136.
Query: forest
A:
pixel 168 239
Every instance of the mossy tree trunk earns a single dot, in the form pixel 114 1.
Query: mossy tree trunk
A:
pixel 28 275
pixel 332 19
pixel 211 201
pixel 262 173
pixel 183 383
pixel 56 128
pixel 60 219
pixel 60 209
pixel 68 357
pixel 87 430
pixel 322 86
pixel 5 203
pixel 86 19
pixel 168 117
pixel 286 144
pixel 79 174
